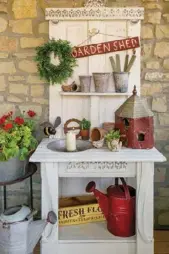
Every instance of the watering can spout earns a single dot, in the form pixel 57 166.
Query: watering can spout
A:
pixel 101 198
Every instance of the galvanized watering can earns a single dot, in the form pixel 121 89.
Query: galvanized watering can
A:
pixel 118 207
pixel 19 234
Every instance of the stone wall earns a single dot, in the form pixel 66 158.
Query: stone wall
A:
pixel 23 27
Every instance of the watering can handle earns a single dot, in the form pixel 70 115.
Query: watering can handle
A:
pixel 126 190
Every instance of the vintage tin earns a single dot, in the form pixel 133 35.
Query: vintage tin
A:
pixel 79 210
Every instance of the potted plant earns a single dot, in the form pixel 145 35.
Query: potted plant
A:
pixel 112 139
pixel 16 143
pixel 85 129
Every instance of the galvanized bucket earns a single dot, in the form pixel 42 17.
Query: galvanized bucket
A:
pixel 12 169
pixel 85 83
pixel 121 81
pixel 101 81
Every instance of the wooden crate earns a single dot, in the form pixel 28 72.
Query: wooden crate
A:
pixel 79 210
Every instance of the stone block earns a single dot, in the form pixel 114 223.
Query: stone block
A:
pixel 3 8
pixel 44 28
pixel 28 66
pixel 1 98
pixel 35 80
pixel 26 42
pixel 162 31
pixel 161 134
pixel 164 118
pixel 166 17
pixel 150 6
pixel 3 24
pixel 7 67
pixel 6 107
pixel 147 50
pixel 163 218
pixel 159 104
pixel 24 9
pixel 18 88
pixel 36 108
pixel 3 55
pixel 148 89
pixel 2 84
pixel 13 98
pixel 41 101
pixel 161 203
pixel 161 49
pixel 21 26
pixel 147 32
pixel 153 65
pixel 8 44
pixel 153 17
pixel 157 76
pixel 16 78
pixel 166 64
pixel 24 55
pixel 37 90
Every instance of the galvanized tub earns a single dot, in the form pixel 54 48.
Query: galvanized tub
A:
pixel 101 81
pixel 85 83
pixel 121 81
pixel 12 169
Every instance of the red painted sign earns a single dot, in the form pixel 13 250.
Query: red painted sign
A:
pixel 106 47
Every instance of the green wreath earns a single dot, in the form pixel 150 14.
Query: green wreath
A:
pixel 56 74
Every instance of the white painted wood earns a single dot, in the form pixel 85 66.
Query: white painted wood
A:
pixel 91 232
pixel 49 202
pixel 66 174
pixel 90 248
pixel 43 154
pixel 132 13
pixel 96 107
pixel 145 208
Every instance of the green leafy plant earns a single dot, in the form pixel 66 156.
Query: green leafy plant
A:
pixel 85 124
pixel 62 50
pixel 16 135
pixel 111 135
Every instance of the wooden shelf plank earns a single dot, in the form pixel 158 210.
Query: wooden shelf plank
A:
pixel 91 232
pixel 93 94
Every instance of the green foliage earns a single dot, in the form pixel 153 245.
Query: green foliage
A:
pixel 16 136
pixel 112 135
pixel 55 73
pixel 85 124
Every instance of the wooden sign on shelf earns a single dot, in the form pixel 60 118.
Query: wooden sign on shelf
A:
pixel 106 47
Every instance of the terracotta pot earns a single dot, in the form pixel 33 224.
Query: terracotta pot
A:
pixel 85 134
pixel 97 134
pixel 108 126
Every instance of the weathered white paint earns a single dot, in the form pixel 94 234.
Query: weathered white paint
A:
pixel 71 174
pixel 66 174
pixel 97 107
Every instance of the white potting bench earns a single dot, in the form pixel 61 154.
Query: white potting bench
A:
pixel 66 174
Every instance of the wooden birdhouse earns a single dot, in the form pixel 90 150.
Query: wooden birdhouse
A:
pixel 135 122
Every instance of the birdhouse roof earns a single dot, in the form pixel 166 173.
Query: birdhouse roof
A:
pixel 134 107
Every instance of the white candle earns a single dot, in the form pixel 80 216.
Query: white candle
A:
pixel 70 141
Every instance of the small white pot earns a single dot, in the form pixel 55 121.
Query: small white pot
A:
pixel 114 145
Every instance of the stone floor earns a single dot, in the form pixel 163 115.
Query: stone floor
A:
pixel 161 243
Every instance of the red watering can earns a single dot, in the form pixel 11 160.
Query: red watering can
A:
pixel 118 207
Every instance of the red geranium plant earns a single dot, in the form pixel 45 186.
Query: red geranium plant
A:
pixel 16 135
